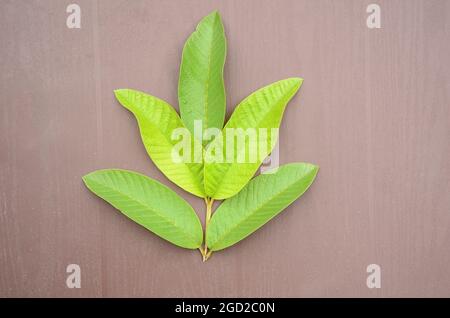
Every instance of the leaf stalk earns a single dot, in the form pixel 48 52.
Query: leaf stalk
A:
pixel 209 204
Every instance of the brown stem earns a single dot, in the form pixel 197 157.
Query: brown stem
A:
pixel 209 203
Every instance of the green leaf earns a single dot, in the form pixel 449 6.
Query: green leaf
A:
pixel 148 203
pixel 262 109
pixel 201 89
pixel 157 121
pixel 261 199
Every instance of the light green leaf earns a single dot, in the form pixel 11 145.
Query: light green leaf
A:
pixel 261 199
pixel 157 121
pixel 148 203
pixel 262 109
pixel 201 89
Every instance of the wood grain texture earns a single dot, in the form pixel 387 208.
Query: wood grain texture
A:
pixel 373 112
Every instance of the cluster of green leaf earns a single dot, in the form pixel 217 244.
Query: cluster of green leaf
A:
pixel 249 203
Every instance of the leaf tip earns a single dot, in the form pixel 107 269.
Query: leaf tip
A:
pixel 214 18
pixel 122 95
pixel 215 14
pixel 94 175
pixel 87 177
pixel 313 171
pixel 311 167
pixel 298 81
pixel 119 92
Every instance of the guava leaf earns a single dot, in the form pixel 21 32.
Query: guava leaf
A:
pixel 201 89
pixel 148 203
pixel 262 109
pixel 157 121
pixel 261 199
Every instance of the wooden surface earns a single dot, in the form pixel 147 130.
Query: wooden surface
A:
pixel 373 112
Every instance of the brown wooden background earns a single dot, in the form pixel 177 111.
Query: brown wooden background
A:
pixel 373 112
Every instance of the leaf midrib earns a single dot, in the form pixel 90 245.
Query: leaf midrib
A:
pixel 206 92
pixel 145 206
